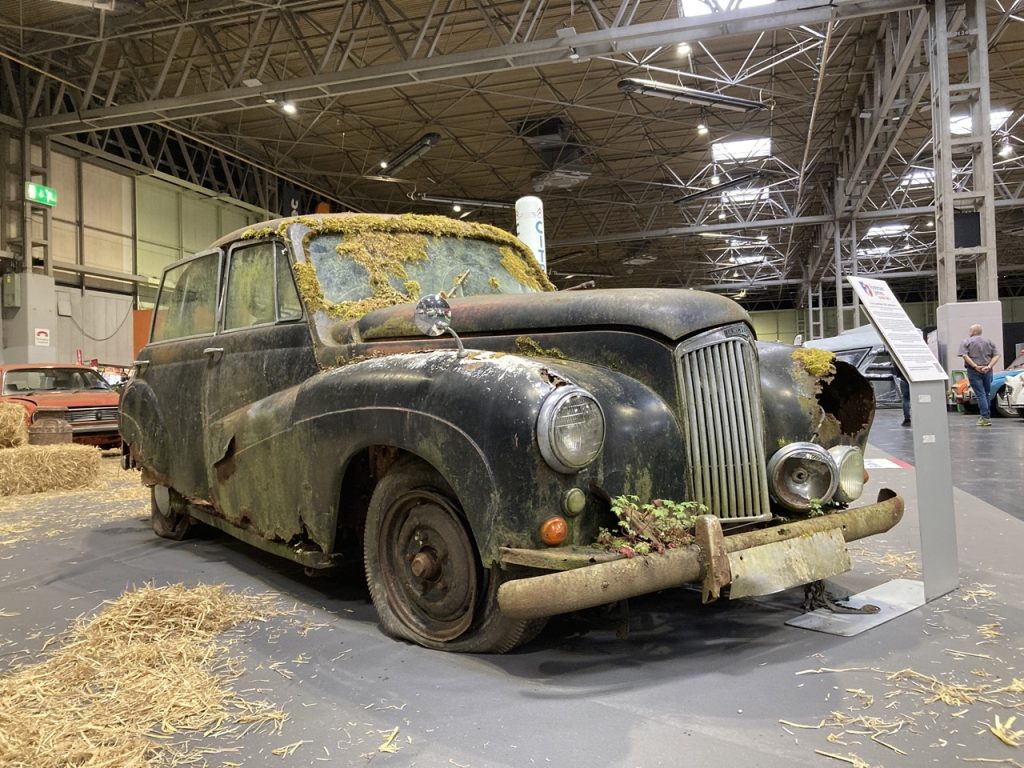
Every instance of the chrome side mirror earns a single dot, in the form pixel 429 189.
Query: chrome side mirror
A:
pixel 433 316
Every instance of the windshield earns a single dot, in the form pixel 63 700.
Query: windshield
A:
pixel 362 271
pixel 51 380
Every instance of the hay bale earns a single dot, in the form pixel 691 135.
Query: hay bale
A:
pixel 35 468
pixel 13 425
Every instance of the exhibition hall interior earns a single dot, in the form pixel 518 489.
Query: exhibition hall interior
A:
pixel 494 384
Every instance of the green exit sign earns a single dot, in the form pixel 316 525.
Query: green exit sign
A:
pixel 37 193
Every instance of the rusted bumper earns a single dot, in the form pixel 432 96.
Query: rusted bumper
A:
pixel 757 562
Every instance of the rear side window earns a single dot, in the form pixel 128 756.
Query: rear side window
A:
pixel 187 303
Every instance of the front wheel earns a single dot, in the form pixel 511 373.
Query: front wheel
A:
pixel 167 513
pixel 424 574
pixel 1001 403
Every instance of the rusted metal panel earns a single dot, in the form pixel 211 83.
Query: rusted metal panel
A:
pixel 771 568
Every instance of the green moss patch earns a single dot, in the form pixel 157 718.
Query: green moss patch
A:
pixel 529 347
pixel 817 362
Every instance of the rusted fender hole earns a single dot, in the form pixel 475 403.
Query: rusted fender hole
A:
pixel 849 398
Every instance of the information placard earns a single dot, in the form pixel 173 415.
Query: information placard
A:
pixel 908 348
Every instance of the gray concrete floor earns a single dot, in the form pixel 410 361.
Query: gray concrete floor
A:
pixel 691 685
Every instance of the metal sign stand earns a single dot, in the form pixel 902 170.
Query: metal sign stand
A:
pixel 936 516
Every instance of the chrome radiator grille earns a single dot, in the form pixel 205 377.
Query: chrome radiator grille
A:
pixel 723 424
pixel 91 415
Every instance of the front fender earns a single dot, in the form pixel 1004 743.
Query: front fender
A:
pixel 141 424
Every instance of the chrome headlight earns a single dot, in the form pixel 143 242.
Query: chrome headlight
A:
pixel 570 429
pixel 801 475
pixel 850 461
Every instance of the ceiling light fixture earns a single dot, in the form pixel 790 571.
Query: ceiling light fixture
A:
pixel 702 128
pixel 716 179
pixel 465 202
pixel 410 154
pixel 1005 150
pixel 289 108
pixel 691 95
pixel 683 49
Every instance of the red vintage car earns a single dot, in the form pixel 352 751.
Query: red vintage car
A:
pixel 75 393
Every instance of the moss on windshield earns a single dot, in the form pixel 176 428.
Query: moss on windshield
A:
pixel 383 245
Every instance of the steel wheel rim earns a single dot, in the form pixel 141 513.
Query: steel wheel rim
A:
pixel 428 566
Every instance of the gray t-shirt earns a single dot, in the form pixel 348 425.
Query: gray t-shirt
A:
pixel 978 348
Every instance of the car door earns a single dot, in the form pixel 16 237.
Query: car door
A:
pixel 263 347
pixel 171 367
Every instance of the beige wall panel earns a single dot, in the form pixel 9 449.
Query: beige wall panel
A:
pixel 107 200
pixel 199 223
pixel 64 178
pixel 158 212
pixel 234 218
pixel 64 241
pixel 108 251
pixel 153 258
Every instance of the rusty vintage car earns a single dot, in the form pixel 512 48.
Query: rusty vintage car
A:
pixel 304 389
pixel 75 393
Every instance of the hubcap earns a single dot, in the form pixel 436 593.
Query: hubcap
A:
pixel 428 565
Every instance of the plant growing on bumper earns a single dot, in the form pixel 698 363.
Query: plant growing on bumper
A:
pixel 656 526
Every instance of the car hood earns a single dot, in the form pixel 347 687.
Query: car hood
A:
pixel 671 313
pixel 80 399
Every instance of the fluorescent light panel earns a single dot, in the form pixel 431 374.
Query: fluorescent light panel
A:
pixel 887 230
pixel 748 195
pixel 918 177
pixel 704 7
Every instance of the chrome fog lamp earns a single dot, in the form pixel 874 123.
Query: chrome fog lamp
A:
pixel 850 461
pixel 570 429
pixel 801 475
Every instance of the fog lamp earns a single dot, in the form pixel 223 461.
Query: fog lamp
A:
pixel 850 461
pixel 801 475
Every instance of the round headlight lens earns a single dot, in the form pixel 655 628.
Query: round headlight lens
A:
pixel 570 429
pixel 850 461
pixel 801 475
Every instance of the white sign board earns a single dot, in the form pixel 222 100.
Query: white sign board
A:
pixel 904 341
pixel 42 337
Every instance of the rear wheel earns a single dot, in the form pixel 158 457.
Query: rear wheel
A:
pixel 167 513
pixel 1001 403
pixel 423 570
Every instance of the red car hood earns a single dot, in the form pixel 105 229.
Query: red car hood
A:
pixel 80 399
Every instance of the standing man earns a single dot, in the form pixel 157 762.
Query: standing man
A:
pixel 980 356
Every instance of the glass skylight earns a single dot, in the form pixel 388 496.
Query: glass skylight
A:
pixel 961 125
pixel 887 230
pixel 875 252
pixel 748 195
pixel 918 177
pixel 740 151
pixel 704 7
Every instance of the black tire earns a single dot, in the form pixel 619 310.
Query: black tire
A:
pixel 424 572
pixel 1001 404
pixel 167 514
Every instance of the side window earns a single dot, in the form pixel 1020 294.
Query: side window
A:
pixel 288 305
pixel 250 293
pixel 187 303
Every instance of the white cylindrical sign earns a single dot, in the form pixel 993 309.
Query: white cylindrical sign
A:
pixel 530 226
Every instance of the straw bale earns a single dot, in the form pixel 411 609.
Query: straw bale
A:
pixel 128 686
pixel 13 425
pixel 35 468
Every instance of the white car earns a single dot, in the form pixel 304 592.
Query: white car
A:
pixel 1015 393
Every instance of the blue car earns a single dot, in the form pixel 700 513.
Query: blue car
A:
pixel 1000 392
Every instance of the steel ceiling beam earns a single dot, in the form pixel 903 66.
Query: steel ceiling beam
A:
pixel 505 58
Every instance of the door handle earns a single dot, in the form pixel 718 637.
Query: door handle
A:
pixel 214 353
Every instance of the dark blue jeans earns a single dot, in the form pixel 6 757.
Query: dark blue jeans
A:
pixel 981 383
pixel 905 393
